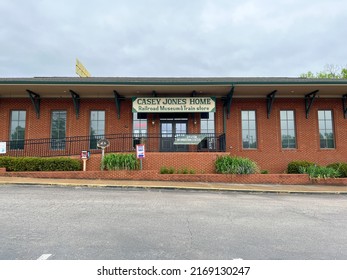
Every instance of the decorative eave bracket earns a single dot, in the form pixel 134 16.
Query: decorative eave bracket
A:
pixel 228 101
pixel 118 99
pixel 309 98
pixel 35 99
pixel 76 102
pixel 270 98
pixel 344 104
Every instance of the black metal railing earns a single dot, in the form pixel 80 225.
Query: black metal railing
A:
pixel 48 147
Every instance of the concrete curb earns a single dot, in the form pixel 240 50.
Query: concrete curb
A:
pixel 168 185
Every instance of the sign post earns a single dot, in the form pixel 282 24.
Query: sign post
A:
pixel 103 144
pixel 140 153
pixel 85 155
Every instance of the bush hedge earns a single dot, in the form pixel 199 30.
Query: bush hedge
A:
pixel 120 162
pixel 167 170
pixel 320 172
pixel 40 164
pixel 235 165
pixel 172 170
pixel 294 166
pixel 341 167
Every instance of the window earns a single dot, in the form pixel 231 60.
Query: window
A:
pixel 249 130
pixel 139 128
pixel 288 129
pixel 17 130
pixel 326 131
pixel 58 130
pixel 97 127
pixel 207 123
pixel 207 126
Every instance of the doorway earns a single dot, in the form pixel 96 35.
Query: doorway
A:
pixel 169 129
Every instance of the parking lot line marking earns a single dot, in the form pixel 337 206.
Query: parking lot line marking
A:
pixel 44 257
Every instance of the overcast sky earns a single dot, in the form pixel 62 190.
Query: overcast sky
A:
pixel 178 38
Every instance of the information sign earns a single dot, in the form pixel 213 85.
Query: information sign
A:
pixel 140 151
pixel 173 104
pixel 189 139
pixel 2 147
pixel 103 143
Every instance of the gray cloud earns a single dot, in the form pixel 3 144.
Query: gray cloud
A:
pixel 171 38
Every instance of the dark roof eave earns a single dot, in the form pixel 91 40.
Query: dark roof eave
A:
pixel 170 81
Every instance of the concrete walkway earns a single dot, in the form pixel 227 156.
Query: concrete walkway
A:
pixel 315 189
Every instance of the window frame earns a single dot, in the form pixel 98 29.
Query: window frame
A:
pixel 288 129
pixel 93 138
pixel 210 124
pixel 209 143
pixel 18 143
pixel 255 130
pixel 332 129
pixel 139 137
pixel 58 143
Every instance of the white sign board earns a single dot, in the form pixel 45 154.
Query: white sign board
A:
pixel 173 104
pixel 140 151
pixel 2 147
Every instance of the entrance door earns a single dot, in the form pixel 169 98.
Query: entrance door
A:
pixel 169 129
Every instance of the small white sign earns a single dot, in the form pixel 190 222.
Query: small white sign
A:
pixel 2 147
pixel 140 151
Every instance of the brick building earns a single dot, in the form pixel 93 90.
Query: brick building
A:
pixel 183 122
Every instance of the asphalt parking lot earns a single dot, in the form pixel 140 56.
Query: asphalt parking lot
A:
pixel 57 222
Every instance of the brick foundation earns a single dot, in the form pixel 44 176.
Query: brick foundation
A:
pixel 199 162
pixel 153 175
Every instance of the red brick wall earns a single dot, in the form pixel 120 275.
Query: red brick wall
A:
pixel 41 128
pixel 199 162
pixel 269 154
pixel 152 175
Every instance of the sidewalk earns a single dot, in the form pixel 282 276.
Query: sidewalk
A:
pixel 314 189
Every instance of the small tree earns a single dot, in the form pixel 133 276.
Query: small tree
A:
pixel 330 71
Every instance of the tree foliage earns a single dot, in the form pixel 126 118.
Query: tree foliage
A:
pixel 330 71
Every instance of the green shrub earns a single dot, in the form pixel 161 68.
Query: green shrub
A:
pixel 40 164
pixel 294 166
pixel 120 162
pixel 235 165
pixel 164 170
pixel 5 161
pixel 264 172
pixel 167 170
pixel 60 164
pixel 171 170
pixel 184 170
pixel 341 167
pixel 319 172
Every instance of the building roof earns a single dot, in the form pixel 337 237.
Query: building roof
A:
pixel 104 87
pixel 170 80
